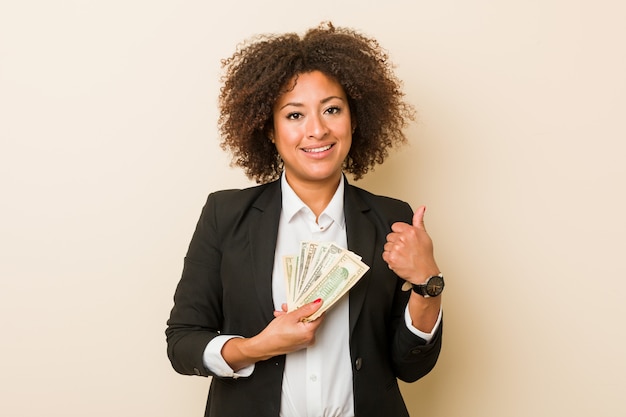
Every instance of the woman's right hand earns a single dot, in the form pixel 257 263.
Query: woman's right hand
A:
pixel 288 332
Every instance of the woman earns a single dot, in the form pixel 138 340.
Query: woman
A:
pixel 296 113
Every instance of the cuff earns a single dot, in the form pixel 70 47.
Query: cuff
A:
pixel 426 336
pixel 214 362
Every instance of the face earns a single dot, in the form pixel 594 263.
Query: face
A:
pixel 313 130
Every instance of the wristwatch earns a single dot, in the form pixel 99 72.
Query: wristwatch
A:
pixel 431 288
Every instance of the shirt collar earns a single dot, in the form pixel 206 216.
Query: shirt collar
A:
pixel 292 204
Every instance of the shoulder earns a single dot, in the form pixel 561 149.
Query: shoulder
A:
pixel 242 196
pixel 233 204
pixel 375 200
pixel 383 206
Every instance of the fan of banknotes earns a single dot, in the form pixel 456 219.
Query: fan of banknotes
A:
pixel 321 270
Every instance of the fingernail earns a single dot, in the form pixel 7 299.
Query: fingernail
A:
pixel 318 300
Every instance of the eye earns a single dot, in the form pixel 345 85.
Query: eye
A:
pixel 294 116
pixel 333 110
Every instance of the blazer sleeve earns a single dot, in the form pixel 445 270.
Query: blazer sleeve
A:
pixel 196 317
pixel 412 357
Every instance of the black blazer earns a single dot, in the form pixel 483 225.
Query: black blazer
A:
pixel 226 288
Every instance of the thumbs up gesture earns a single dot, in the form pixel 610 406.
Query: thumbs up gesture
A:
pixel 409 250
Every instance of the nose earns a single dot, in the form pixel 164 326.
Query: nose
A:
pixel 316 127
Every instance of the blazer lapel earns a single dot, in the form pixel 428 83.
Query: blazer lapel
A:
pixel 263 231
pixel 361 234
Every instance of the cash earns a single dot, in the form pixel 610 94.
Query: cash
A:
pixel 320 270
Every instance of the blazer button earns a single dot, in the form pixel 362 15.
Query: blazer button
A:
pixel 358 363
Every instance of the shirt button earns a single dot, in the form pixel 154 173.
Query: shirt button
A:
pixel 313 378
pixel 358 363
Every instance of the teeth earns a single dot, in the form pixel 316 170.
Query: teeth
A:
pixel 315 150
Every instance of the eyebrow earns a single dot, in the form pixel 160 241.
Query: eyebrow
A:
pixel 323 101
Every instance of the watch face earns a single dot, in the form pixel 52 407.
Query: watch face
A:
pixel 434 286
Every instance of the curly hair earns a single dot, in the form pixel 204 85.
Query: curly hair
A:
pixel 260 71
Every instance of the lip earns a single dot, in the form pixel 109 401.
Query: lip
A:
pixel 318 151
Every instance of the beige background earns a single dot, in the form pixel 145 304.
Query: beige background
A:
pixel 108 149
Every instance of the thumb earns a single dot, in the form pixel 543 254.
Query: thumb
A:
pixel 282 312
pixel 418 218
pixel 310 308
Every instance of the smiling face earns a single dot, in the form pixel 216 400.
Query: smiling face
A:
pixel 313 130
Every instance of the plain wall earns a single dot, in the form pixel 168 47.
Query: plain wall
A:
pixel 108 148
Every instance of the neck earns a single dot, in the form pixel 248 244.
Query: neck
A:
pixel 316 195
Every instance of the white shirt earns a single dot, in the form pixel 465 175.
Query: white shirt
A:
pixel 315 383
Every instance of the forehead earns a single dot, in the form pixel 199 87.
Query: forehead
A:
pixel 313 83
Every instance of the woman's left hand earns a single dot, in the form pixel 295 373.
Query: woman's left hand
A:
pixel 409 250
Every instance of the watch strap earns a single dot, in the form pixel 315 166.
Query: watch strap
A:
pixel 421 289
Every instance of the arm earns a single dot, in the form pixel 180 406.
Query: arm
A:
pixel 409 253
pixel 235 356
pixel 198 315
pixel 288 332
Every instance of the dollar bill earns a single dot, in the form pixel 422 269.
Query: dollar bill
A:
pixel 289 268
pixel 322 267
pixel 307 254
pixel 336 283
pixel 321 270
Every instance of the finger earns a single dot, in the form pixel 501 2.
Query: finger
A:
pixel 284 310
pixel 387 257
pixel 315 321
pixel 392 237
pixel 388 247
pixel 399 227
pixel 418 218
pixel 308 309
